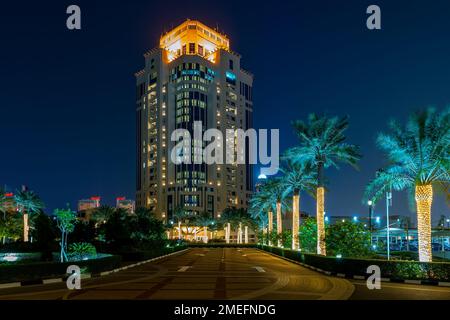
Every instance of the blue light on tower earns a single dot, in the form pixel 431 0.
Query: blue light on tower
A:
pixel 355 219
pixel 378 220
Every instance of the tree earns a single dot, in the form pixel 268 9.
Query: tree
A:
pixel 297 177
pixel 45 234
pixel 276 193
pixel 28 203
pixel 348 239
pixel 102 214
pixel 308 235
pixel 322 145
pixel 418 161
pixel 117 230
pixel 146 230
pixel 260 209
pixel 65 220
pixel 179 216
pixel 204 220
pixel 10 226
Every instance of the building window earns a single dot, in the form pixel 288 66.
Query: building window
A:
pixel 200 50
pixel 184 49
pixel 231 64
pixel 191 48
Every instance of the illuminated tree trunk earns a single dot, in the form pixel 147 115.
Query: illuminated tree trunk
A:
pixel 295 220
pixel 25 227
pixel 227 233
pixel 321 249
pixel 206 234
pixel 179 230
pixel 279 223
pixel 246 234
pixel 424 198
pixel 270 227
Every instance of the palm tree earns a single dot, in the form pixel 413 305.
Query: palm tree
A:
pixel 28 203
pixel 275 189
pixel 3 200
pixel 260 205
pixel 419 161
pixel 102 214
pixel 322 145
pixel 297 177
pixel 204 220
pixel 179 215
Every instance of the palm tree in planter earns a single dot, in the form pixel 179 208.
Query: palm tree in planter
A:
pixel 298 177
pixel 419 161
pixel 322 144
pixel 276 191
pixel 27 203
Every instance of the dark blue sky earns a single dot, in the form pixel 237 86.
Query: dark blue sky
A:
pixel 67 97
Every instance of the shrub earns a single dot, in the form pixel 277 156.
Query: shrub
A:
pixel 81 251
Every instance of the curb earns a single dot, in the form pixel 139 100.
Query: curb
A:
pixel 358 277
pixel 83 276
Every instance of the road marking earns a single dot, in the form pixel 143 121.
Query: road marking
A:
pixel 259 269
pixel 184 268
pixel 200 254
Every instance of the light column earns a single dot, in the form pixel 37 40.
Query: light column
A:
pixel 424 199
pixel 321 249
pixel 295 220
pixel 270 227
pixel 279 223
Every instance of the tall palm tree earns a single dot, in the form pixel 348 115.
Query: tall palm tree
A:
pixel 28 203
pixel 297 177
pixel 419 161
pixel 275 189
pixel 260 209
pixel 322 144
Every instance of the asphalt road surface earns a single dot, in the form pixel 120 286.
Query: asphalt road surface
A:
pixel 222 273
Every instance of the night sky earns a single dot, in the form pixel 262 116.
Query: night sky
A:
pixel 67 110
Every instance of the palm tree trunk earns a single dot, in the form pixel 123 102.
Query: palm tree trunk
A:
pixel 279 223
pixel 270 226
pixel 179 230
pixel 228 233
pixel 424 198
pixel 25 227
pixel 206 234
pixel 295 219
pixel 246 234
pixel 320 211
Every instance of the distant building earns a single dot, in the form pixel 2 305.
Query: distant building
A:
pixel 127 204
pixel 87 206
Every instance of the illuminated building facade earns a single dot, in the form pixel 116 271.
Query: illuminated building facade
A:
pixel 192 76
pixel 126 204
pixel 87 206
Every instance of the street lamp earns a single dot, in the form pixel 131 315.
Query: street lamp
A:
pixel 370 204
pixel 448 223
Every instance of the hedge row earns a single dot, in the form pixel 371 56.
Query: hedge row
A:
pixel 395 270
pixel 34 271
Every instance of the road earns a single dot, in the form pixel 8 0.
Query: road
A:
pixel 222 273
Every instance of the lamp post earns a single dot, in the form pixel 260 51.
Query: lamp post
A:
pixel 388 204
pixel 370 204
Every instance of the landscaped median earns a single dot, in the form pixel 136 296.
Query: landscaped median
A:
pixel 36 271
pixel 395 270
pixel 26 272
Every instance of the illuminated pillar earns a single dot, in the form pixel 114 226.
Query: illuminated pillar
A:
pixel 320 221
pixel 424 198
pixel 270 227
pixel 228 233
pixel 195 234
pixel 279 223
pixel 295 220
pixel 246 234
pixel 179 230
pixel 205 238
pixel 25 227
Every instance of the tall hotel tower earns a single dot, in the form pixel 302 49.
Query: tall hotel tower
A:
pixel 192 76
